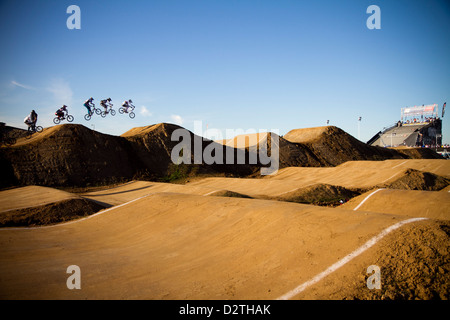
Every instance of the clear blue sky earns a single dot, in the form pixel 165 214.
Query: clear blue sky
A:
pixel 232 64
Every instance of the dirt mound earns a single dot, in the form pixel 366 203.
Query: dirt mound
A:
pixel 305 135
pixel 50 213
pixel 14 132
pixel 333 146
pixel 290 154
pixel 414 264
pixel 297 155
pixel 417 180
pixel 153 146
pixel 410 203
pixel 322 146
pixel 320 194
pixel 140 131
pixel 419 153
pixel 70 155
pixel 228 193
pixel 73 155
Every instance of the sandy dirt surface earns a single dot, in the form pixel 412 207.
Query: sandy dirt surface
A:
pixel 413 203
pixel 31 196
pixel 414 264
pixel 250 249
pixel 205 240
pixel 136 189
pixel 356 174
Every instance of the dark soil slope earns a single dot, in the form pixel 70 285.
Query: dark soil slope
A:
pixel 419 180
pixel 61 211
pixel 320 194
pixel 333 146
pixel 69 154
pixel 153 146
pixel 73 155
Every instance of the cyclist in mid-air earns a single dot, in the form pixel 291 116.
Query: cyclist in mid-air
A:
pixel 105 103
pixel 31 120
pixel 62 112
pixel 127 104
pixel 88 104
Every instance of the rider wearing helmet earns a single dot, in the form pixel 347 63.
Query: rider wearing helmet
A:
pixel 88 104
pixel 61 112
pixel 31 120
pixel 127 104
pixel 105 103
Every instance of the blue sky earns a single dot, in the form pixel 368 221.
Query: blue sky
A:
pixel 247 64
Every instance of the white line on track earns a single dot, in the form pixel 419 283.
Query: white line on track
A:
pixel 78 220
pixel 207 194
pixel 346 259
pixel 359 205
pixel 390 177
pixel 399 164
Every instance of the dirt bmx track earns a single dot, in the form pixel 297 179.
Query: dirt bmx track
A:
pixel 208 248
pixel 234 238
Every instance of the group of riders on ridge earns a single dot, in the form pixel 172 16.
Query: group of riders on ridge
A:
pixel 62 112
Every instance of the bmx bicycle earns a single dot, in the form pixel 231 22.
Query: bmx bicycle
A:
pixel 33 129
pixel 57 120
pixel 95 110
pixel 111 111
pixel 123 110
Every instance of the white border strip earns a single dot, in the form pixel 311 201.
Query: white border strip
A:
pixel 207 194
pixel 399 164
pixel 391 177
pixel 359 205
pixel 346 259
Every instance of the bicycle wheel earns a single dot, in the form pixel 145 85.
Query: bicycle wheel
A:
pixel 69 118
pixel 113 112
pixel 87 117
pixel 29 133
pixel 39 129
pixel 121 110
pixel 56 120
pixel 103 114
pixel 98 112
pixel 132 115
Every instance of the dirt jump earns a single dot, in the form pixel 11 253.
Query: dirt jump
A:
pixel 308 232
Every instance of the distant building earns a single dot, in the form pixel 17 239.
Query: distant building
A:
pixel 419 126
